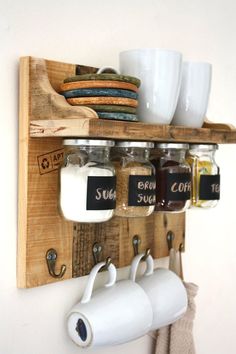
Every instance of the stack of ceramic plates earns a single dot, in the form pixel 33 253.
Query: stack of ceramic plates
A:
pixel 112 96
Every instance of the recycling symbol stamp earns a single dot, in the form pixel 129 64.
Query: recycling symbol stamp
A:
pixel 45 163
pixel 50 162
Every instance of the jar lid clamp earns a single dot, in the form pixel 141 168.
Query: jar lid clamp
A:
pixel 88 142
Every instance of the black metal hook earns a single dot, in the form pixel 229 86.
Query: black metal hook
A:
pixel 51 257
pixel 170 238
pixel 136 243
pixel 97 251
pixel 181 272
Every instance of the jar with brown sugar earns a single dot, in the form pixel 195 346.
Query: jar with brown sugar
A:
pixel 173 177
pixel 135 179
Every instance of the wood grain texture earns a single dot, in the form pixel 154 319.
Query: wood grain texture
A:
pixel 85 235
pixel 40 226
pixel 23 172
pixel 45 103
pixel 116 235
pixel 84 69
pixel 219 126
pixel 163 223
pixel 130 131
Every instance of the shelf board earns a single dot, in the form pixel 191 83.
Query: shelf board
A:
pixel 100 128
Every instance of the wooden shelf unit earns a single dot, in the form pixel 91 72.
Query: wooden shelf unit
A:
pixel 46 114
pixel 100 128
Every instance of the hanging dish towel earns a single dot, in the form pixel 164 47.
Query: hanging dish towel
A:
pixel 181 332
pixel 178 337
pixel 163 334
pixel 162 340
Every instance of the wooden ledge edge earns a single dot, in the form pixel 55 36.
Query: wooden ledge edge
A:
pixel 218 126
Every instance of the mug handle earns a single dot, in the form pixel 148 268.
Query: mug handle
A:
pixel 104 68
pixel 135 263
pixel 92 276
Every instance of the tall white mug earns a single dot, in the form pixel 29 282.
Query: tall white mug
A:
pixel 160 73
pixel 165 291
pixel 114 314
pixel 194 95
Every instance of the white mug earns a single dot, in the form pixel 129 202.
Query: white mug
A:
pixel 194 95
pixel 115 314
pixel 165 291
pixel 160 73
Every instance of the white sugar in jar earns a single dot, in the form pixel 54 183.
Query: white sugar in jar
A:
pixel 87 181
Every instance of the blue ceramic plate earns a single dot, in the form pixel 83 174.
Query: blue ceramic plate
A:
pixel 99 92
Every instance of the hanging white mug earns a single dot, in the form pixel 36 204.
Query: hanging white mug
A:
pixel 165 291
pixel 114 314
pixel 160 73
pixel 194 95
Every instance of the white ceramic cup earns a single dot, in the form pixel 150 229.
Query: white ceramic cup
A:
pixel 160 73
pixel 165 291
pixel 114 314
pixel 194 95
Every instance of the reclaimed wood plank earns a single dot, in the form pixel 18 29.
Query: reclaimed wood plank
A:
pixel 116 236
pixel 40 225
pixel 129 131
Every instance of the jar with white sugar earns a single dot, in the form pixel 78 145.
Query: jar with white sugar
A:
pixel 87 181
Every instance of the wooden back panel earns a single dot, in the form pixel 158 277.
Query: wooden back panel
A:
pixel 40 226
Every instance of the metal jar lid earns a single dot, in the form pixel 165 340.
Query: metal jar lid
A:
pixel 204 147
pixel 177 146
pixel 88 142
pixel 140 144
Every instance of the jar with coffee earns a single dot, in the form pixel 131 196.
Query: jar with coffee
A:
pixel 205 175
pixel 173 177
pixel 135 176
pixel 87 181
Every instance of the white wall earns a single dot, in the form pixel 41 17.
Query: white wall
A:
pixel 93 32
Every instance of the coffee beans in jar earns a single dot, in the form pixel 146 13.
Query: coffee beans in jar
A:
pixel 173 178
pixel 135 179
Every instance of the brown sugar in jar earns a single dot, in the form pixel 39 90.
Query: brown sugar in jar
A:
pixel 135 179
pixel 172 176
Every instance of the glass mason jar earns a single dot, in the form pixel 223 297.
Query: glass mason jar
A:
pixel 173 178
pixel 205 175
pixel 135 176
pixel 87 181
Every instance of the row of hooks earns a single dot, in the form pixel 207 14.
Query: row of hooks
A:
pixel 51 255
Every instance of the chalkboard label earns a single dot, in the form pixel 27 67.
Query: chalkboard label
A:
pixel 142 190
pixel 209 187
pixel 178 186
pixel 101 193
